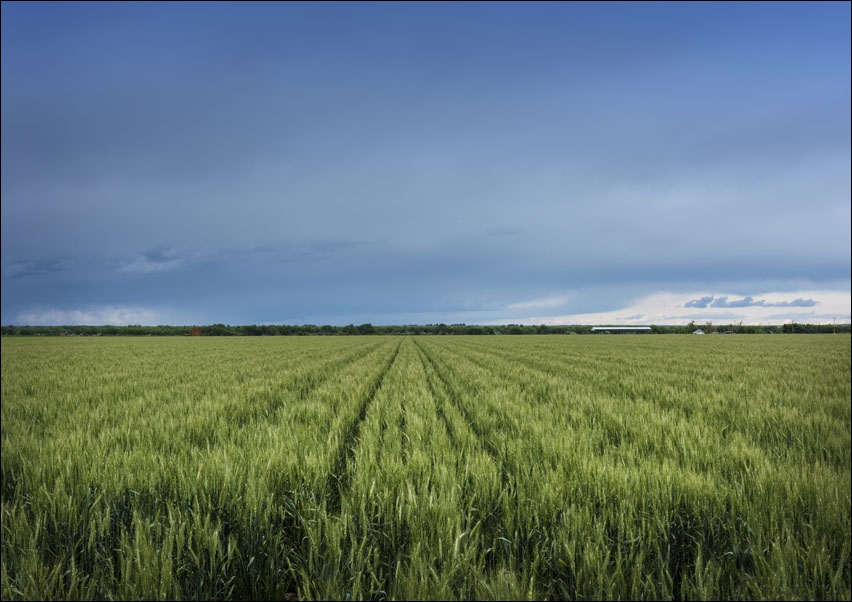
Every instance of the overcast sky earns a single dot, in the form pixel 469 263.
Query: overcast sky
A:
pixel 413 163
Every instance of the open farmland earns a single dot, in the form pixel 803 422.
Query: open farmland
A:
pixel 535 467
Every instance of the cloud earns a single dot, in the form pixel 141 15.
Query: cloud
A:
pixel 747 301
pixel 160 260
pixel 484 174
pixel 94 316
pixel 794 303
pixel 744 302
pixel 667 308
pixel 23 269
pixel 702 302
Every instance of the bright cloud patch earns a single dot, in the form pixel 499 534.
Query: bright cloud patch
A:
pixel 806 307
pixel 113 316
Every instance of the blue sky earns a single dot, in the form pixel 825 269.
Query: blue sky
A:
pixel 336 163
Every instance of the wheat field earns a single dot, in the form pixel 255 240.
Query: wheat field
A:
pixel 432 467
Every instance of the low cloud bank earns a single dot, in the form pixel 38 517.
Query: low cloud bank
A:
pixel 98 316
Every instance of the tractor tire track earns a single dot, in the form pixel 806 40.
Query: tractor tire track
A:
pixel 341 475
pixel 293 386
pixel 444 392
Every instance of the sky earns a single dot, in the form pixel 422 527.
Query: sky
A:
pixel 423 163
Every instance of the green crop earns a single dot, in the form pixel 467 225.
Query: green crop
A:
pixel 558 467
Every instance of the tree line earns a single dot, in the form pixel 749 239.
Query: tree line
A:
pixel 411 329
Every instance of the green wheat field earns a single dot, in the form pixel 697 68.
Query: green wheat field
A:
pixel 636 467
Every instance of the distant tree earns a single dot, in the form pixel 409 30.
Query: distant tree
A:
pixel 217 330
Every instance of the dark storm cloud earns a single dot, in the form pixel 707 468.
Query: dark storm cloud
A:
pixel 23 269
pixel 254 161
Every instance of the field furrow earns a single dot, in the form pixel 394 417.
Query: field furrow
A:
pixel 338 480
pixel 464 426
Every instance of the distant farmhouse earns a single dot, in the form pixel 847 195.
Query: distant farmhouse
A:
pixel 699 331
